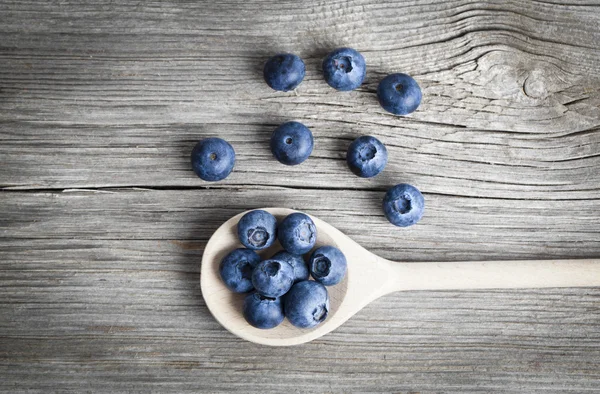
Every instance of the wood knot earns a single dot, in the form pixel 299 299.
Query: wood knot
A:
pixel 534 85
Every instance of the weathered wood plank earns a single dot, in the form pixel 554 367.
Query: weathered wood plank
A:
pixel 101 289
pixel 473 163
pixel 118 95
pixel 452 228
pixel 435 342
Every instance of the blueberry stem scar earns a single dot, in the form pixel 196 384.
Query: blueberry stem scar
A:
pixel 320 313
pixel 258 236
pixel 246 269
pixel 403 204
pixel 322 266
pixel 272 268
pixel 367 152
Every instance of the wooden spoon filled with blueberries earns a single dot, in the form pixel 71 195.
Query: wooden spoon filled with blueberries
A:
pixel 279 277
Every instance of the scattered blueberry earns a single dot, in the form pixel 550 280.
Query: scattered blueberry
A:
pixel 236 269
pixel 366 156
pixel 403 205
pixel 344 69
pixel 263 312
pixel 399 94
pixel 257 229
pixel 272 278
pixel 213 159
pixel 297 263
pixel 297 233
pixel 328 265
pixel 306 304
pixel 291 143
pixel 284 72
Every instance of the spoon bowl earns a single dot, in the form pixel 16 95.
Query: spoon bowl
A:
pixel 370 277
pixel 226 306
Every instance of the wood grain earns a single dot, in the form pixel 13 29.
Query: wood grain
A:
pixel 118 95
pixel 102 223
pixel 101 289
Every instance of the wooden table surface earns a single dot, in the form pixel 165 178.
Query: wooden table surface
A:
pixel 103 223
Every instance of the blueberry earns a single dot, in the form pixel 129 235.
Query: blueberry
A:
pixel 297 233
pixel 403 205
pixel 297 263
pixel 328 265
pixel 399 94
pixel 344 69
pixel 213 159
pixel 263 312
pixel 272 278
pixel 306 304
pixel 291 143
pixel 236 269
pixel 284 72
pixel 366 156
pixel 257 229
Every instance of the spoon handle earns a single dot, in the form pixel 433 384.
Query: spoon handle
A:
pixel 495 274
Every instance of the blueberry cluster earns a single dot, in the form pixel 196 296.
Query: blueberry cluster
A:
pixel 292 143
pixel 279 287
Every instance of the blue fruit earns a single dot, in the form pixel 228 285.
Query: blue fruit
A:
pixel 297 263
pixel 403 205
pixel 284 72
pixel 272 278
pixel 263 312
pixel 236 269
pixel 306 304
pixel 257 229
pixel 366 156
pixel 297 233
pixel 399 94
pixel 328 265
pixel 291 143
pixel 344 69
pixel 213 159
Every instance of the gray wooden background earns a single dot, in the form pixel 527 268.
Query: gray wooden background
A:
pixel 102 222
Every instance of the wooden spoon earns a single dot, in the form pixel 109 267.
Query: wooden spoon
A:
pixel 370 277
